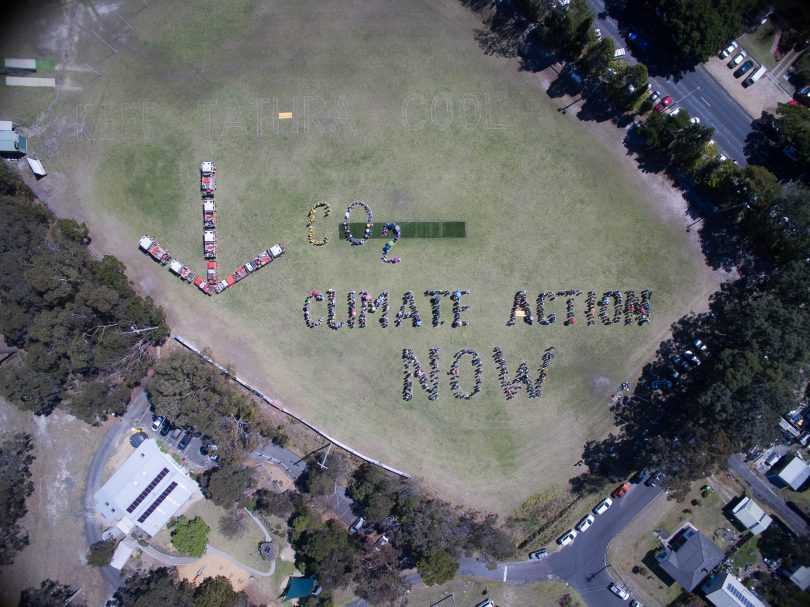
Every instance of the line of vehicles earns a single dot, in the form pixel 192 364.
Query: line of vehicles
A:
pixel 746 67
pixel 209 284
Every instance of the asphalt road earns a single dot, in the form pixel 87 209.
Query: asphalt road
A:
pixel 135 411
pixel 582 564
pixel 764 493
pixel 696 91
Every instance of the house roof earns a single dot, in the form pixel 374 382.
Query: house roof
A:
pixel 725 590
pixel 148 489
pixel 121 555
pixel 801 577
pixel 690 557
pixel 795 473
pixel 13 142
pixel 751 516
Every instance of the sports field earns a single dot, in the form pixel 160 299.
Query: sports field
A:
pixel 395 104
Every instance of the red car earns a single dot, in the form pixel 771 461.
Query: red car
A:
pixel 620 491
pixel 663 104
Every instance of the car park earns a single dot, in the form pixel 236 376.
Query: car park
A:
pixel 619 591
pixel 744 68
pixel 701 347
pixel 663 104
pixel 728 50
pixel 157 423
pixel 585 523
pixel 603 506
pixel 737 60
pixel 567 537
pixel 181 446
pixel 690 356
pixel 538 555
pixel 620 491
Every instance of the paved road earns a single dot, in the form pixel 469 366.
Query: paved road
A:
pixel 582 564
pixel 764 492
pixel 697 92
pixel 290 462
pixel 136 409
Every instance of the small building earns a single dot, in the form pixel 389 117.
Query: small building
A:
pixel 121 555
pixel 146 491
pixel 13 144
pixel 751 516
pixel 9 65
pixel 795 473
pixel 799 575
pixel 688 557
pixel 300 588
pixel 725 590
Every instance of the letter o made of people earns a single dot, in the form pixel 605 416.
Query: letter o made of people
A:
pixel 347 229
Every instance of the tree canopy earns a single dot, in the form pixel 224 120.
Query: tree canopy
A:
pixel 16 457
pixel 190 536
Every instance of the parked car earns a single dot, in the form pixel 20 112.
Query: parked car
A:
pixel 728 50
pixel 690 356
pixel 661 384
pixel 744 68
pixel 486 603
pixel 603 506
pixel 663 104
pixel 639 477
pixel 673 373
pixel 538 555
pixel 585 523
pixel 567 537
pixel 701 347
pixel 654 480
pixel 597 33
pixel 181 446
pixel 619 591
pixel 176 434
pixel 620 491
pixel 157 423
pixel 165 428
pixel 655 96
pixel 635 603
pixel 679 362
pixel 638 40
pixel 694 120
pixel 357 525
pixel 737 60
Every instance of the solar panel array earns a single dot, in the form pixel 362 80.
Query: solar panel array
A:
pixel 157 502
pixel 146 491
pixel 739 595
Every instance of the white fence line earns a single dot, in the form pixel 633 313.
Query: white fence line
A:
pixel 286 411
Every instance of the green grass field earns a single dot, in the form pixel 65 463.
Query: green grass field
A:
pixel 546 207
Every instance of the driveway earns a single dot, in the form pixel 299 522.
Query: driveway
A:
pixel 763 492
pixel 696 91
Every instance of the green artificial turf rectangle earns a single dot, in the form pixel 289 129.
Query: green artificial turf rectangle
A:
pixel 415 229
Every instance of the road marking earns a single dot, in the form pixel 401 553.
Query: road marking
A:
pixel 505 568
pixel 704 101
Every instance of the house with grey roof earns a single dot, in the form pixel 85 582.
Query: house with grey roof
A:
pixel 749 514
pixel 794 473
pixel 688 557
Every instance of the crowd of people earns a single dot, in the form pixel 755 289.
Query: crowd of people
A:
pixel 455 374
pixel 632 309
pixel 409 358
pixel 387 247
pixel 311 223
pixel 511 387
pixel 347 229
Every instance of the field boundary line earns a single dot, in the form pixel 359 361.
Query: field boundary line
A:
pixel 284 410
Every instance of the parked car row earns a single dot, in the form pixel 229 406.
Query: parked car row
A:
pixel 162 425
pixel 739 59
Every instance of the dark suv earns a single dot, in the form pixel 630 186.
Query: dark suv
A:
pixel 181 446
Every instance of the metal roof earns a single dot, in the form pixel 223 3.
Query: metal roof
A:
pixel 751 516
pixel 690 557
pixel 795 473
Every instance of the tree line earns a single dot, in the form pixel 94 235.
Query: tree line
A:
pixel 83 332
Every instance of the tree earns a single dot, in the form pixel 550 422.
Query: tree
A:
pixel 326 552
pixel 660 129
pixel 689 145
pixel 437 568
pixel 378 576
pixel 16 457
pixel 269 502
pixel 101 553
pixel 226 484
pixel 190 536
pixel 49 594
pixel 218 592
pixel 232 524
pixel 593 65
pixel 566 28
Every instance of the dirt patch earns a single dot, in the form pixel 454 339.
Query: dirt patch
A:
pixel 55 519
pixel 213 565
pixel 272 477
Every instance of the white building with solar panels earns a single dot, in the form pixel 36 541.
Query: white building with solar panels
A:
pixel 146 491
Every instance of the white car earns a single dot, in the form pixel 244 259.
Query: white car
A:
pixel 694 120
pixel 737 60
pixel 603 506
pixel 157 423
pixel 585 523
pixel 729 49
pixel 619 591
pixel 635 603
pixel 597 33
pixel 567 537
